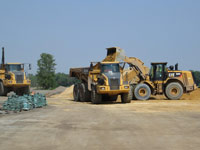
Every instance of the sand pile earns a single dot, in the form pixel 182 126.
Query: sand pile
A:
pixel 195 95
pixel 56 91
pixel 67 93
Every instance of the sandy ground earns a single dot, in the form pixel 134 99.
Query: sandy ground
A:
pixel 140 125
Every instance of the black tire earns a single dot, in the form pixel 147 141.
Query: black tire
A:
pixel 76 93
pixel 85 95
pixel 132 88
pixel 142 92
pixel 27 90
pixel 174 91
pixel 127 97
pixel 6 91
pixel 95 97
pixel 2 89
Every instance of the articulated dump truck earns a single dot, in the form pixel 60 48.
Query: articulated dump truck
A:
pixel 13 78
pixel 101 81
pixel 160 79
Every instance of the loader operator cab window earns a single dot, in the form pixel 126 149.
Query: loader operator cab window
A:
pixel 14 67
pixel 108 68
pixel 158 72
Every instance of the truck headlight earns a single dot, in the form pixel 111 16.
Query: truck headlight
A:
pixel 102 88
pixel 126 87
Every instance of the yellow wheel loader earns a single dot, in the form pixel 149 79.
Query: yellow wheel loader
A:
pixel 13 78
pixel 160 79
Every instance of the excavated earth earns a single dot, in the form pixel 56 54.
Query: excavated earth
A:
pixel 141 125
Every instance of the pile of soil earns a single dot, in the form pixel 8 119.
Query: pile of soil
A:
pixel 195 95
pixel 67 93
pixel 56 91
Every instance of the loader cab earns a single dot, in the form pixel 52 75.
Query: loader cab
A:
pixel 158 71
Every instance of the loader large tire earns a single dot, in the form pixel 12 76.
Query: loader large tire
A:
pixel 85 95
pixel 76 92
pixel 142 92
pixel 95 97
pixel 174 91
pixel 26 90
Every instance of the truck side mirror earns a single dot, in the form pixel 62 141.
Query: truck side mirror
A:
pixel 22 66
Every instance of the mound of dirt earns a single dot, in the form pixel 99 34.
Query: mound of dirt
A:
pixel 195 95
pixel 67 93
pixel 56 91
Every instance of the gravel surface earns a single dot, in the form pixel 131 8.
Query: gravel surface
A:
pixel 140 125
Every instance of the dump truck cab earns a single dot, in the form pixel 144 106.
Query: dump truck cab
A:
pixel 109 80
pixel 13 78
pixel 15 75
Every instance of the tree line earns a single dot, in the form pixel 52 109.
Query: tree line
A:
pixel 61 79
pixel 46 78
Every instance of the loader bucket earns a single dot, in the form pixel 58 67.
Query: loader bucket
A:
pixel 114 54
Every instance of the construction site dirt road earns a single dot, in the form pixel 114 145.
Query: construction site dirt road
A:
pixel 140 125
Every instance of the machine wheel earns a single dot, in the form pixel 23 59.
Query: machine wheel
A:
pixel 142 92
pixel 127 97
pixel 2 89
pixel 85 95
pixel 27 90
pixel 132 88
pixel 76 93
pixel 174 91
pixel 95 97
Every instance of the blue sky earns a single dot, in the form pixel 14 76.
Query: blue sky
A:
pixel 77 32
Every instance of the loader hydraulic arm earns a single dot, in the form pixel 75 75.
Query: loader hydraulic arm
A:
pixel 118 54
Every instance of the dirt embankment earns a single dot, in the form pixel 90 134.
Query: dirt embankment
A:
pixel 68 93
pixel 195 95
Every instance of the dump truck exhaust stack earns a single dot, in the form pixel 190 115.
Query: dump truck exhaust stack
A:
pixel 3 58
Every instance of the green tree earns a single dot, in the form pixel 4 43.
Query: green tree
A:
pixel 63 79
pixel 33 79
pixel 46 71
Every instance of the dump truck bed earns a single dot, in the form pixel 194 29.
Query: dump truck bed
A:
pixel 80 73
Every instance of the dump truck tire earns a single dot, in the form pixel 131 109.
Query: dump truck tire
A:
pixel 2 89
pixel 26 90
pixel 85 95
pixel 127 97
pixel 174 91
pixel 132 88
pixel 76 93
pixel 95 97
pixel 142 92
